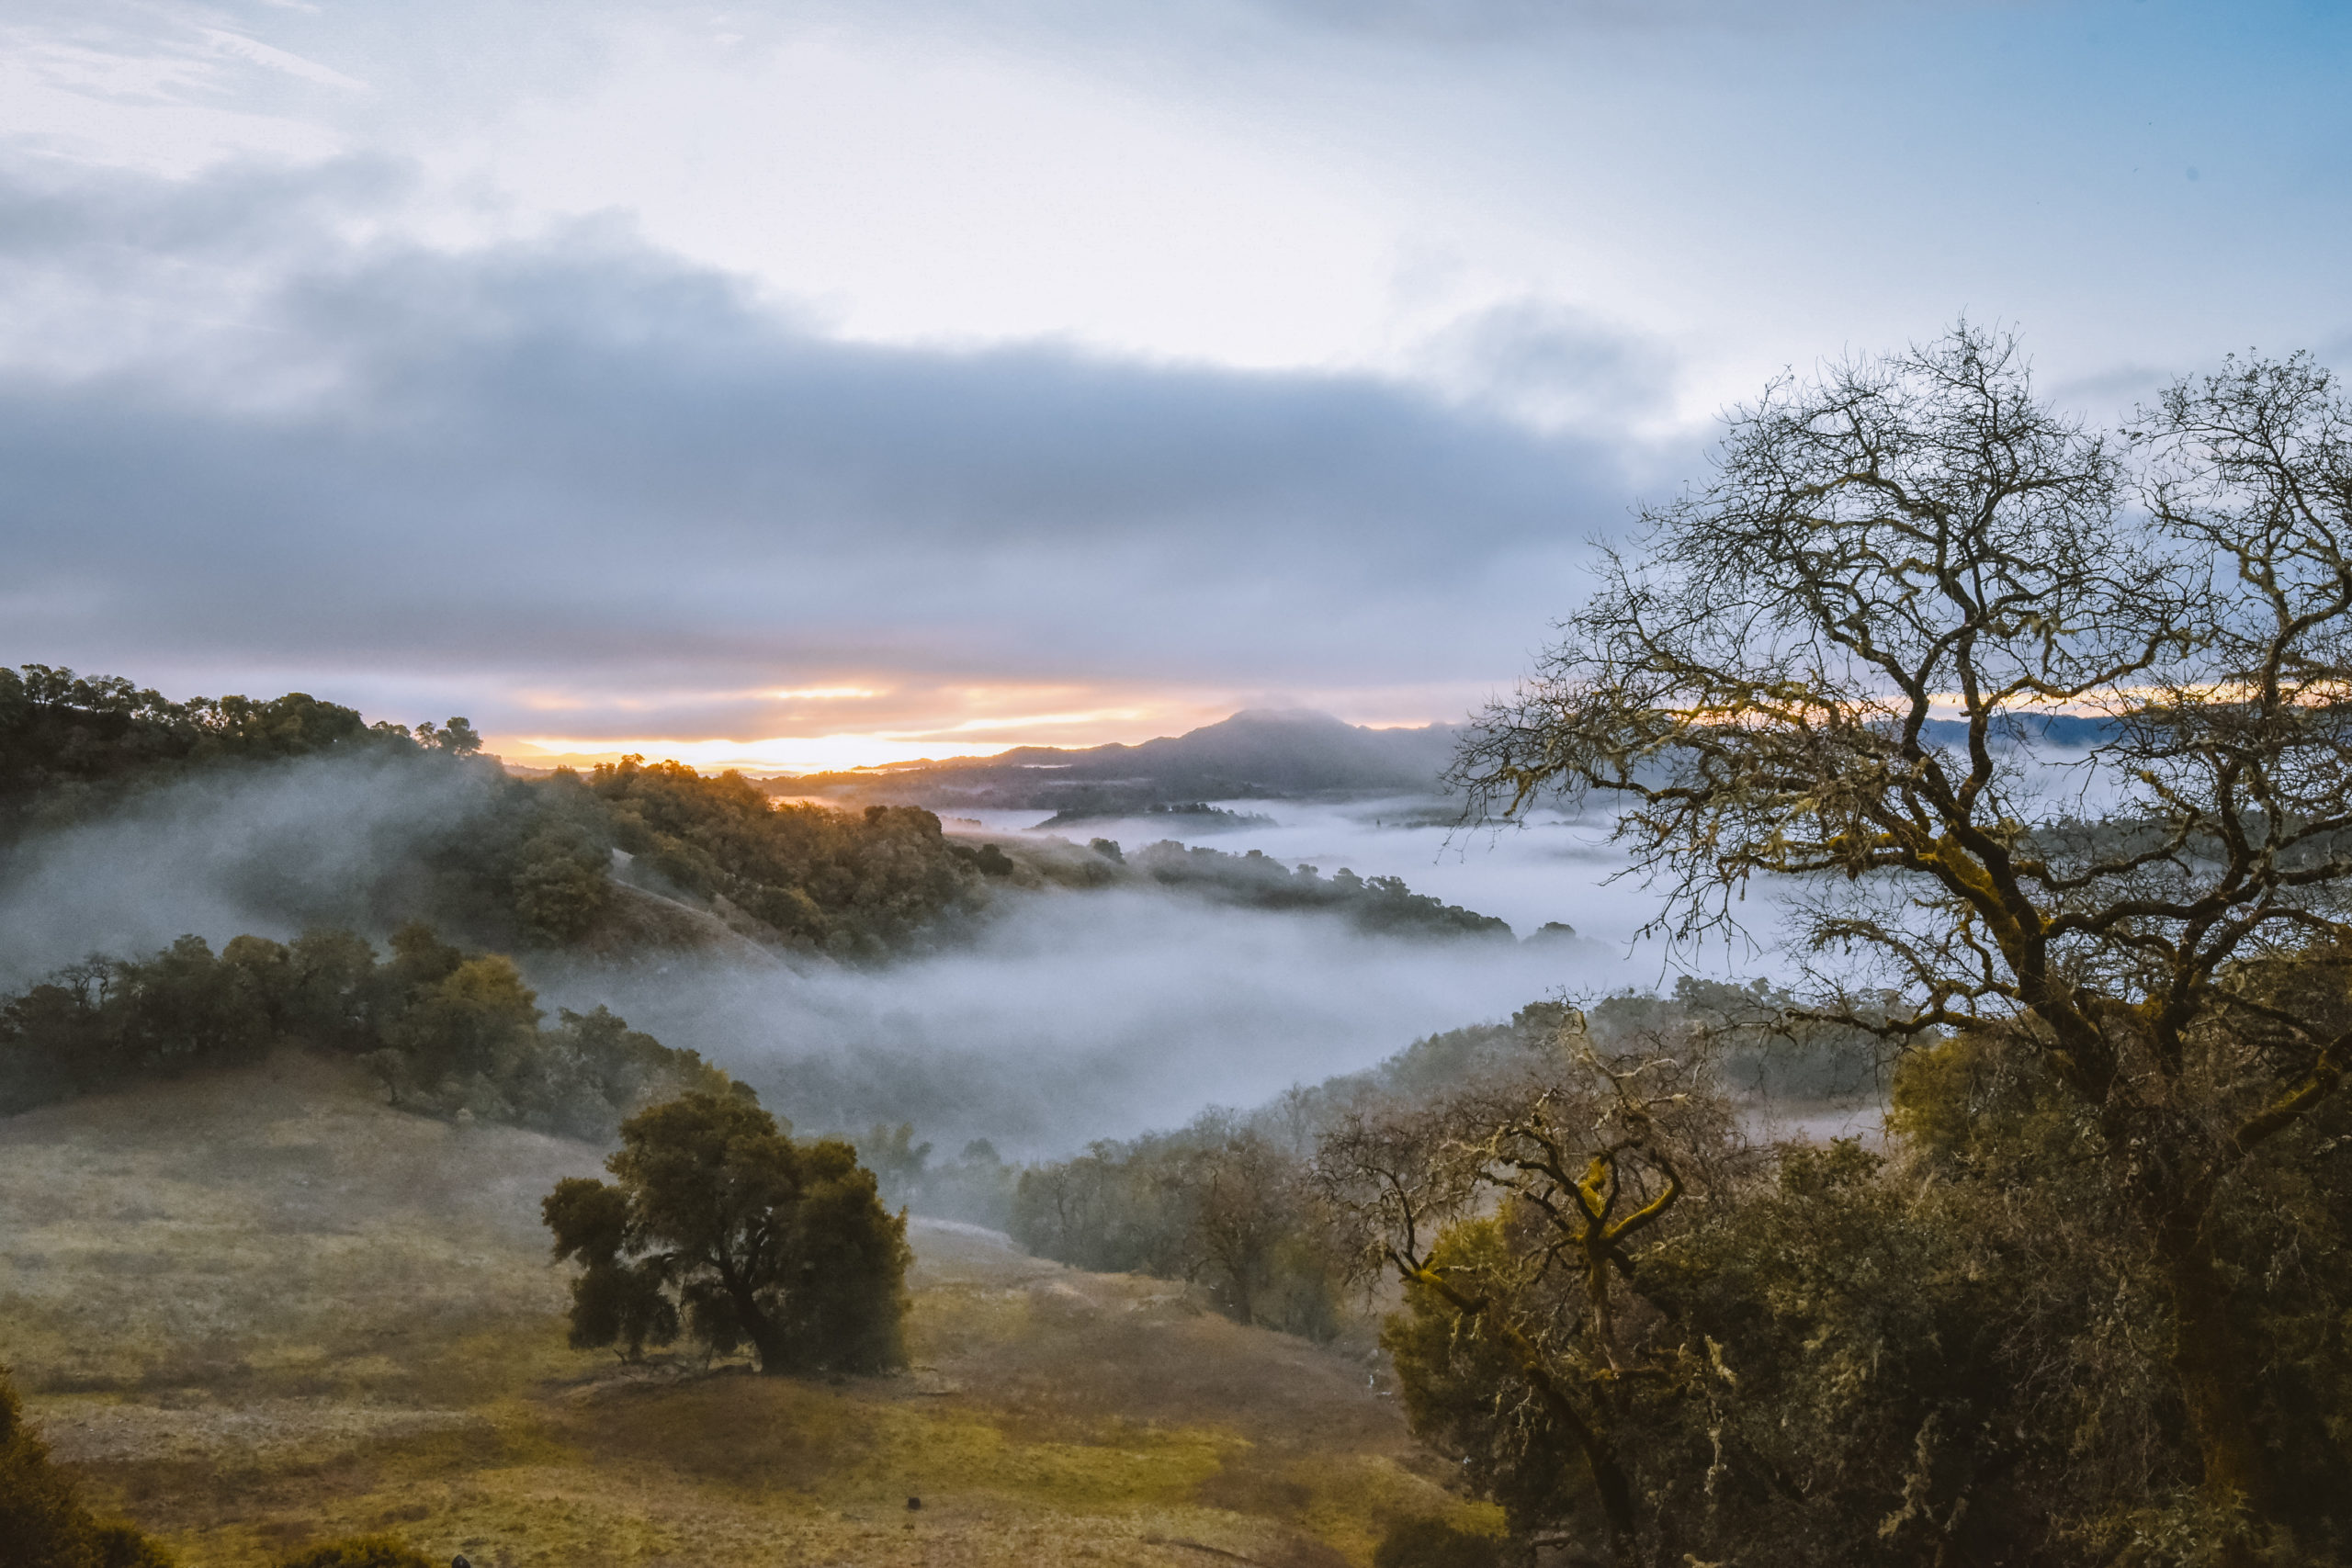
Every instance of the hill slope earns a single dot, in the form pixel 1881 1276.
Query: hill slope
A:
pixel 260 1307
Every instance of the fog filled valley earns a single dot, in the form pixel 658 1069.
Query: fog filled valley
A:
pixel 299 1006
pixel 1846 1064
pixel 1040 1001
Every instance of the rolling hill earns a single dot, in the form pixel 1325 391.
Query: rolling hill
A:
pixel 258 1308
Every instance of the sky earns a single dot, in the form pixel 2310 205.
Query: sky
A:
pixel 813 385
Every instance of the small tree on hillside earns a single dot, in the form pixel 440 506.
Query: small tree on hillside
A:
pixel 721 1222
pixel 1808 671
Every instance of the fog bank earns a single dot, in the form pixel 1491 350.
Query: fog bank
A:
pixel 269 849
pixel 1082 1015
pixel 1071 1015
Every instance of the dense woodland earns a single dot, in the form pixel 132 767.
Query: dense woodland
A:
pixel 1230 1202
pixel 1941 1349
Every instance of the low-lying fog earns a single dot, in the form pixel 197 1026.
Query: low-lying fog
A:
pixel 1085 1015
pixel 1102 1014
pixel 1555 868
pixel 267 850
pixel 1073 1016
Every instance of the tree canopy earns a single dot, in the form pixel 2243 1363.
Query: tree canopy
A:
pixel 721 1224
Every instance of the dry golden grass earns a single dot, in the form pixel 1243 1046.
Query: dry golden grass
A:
pixel 260 1309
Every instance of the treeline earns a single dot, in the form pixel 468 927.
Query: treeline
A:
pixel 1220 1203
pixel 444 1030
pixel 1381 905
pixel 66 739
pixel 1229 1202
pixel 517 863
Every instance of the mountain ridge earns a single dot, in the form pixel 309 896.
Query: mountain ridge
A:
pixel 1256 754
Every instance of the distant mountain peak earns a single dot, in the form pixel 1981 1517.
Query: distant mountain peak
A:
pixel 1256 754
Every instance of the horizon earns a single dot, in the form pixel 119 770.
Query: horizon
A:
pixel 729 755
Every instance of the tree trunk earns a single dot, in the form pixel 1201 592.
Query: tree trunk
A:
pixel 1608 1478
pixel 1616 1499
pixel 766 1337
pixel 2207 1363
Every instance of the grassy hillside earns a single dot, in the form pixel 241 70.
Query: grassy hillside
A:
pixel 260 1308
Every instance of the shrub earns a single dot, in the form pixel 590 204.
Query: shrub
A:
pixel 42 1521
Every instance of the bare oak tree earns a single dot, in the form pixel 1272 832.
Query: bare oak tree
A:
pixel 1573 1167
pixel 1811 668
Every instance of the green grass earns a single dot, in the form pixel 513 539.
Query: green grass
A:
pixel 261 1309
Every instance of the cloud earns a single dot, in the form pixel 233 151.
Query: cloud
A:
pixel 584 467
pixel 1553 366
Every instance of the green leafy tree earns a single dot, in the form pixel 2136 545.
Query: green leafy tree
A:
pixel 856 884
pixel 719 1222
pixel 442 1029
pixel 1511 1214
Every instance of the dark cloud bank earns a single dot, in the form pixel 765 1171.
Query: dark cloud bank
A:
pixel 591 466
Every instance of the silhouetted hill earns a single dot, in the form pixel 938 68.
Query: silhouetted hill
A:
pixel 1256 754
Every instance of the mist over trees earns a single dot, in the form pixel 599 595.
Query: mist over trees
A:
pixel 1381 905
pixel 341 822
pixel 510 862
pixel 66 739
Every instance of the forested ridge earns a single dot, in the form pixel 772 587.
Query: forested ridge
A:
pixel 513 861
